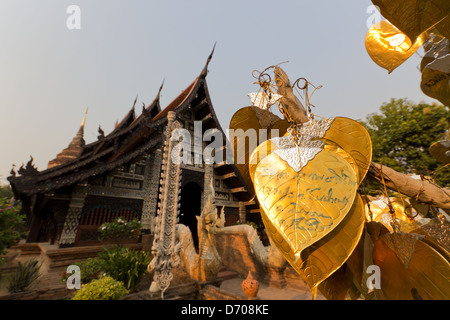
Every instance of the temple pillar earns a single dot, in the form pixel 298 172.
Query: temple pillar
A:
pixel 242 212
pixel 207 178
pixel 151 188
pixel 72 220
pixel 165 249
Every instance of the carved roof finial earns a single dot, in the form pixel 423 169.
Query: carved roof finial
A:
pixel 205 69
pixel 13 172
pixel 159 91
pixel 83 122
pixel 102 133
pixel 135 100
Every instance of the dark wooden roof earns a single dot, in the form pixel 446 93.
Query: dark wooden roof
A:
pixel 133 136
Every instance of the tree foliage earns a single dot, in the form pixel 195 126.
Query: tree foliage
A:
pixel 402 134
pixel 12 226
pixel 6 192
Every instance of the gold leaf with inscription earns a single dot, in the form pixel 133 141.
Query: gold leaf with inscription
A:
pixel 320 260
pixel 388 47
pixel 410 268
pixel 435 80
pixel 343 132
pixel 351 136
pixel 302 206
pixel 249 127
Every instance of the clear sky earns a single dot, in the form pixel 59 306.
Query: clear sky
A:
pixel 50 74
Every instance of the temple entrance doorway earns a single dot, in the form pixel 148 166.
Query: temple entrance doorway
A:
pixel 190 206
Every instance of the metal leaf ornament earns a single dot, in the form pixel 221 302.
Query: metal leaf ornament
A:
pixel 413 17
pixel 435 47
pixel 352 137
pixel 306 185
pixel 304 191
pixel 319 261
pixel 436 79
pixel 389 47
pixel 440 150
pixel 251 126
pixel 443 27
pixel 410 268
pixel 392 212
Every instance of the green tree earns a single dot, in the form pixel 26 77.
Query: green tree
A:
pixel 5 191
pixel 12 226
pixel 402 134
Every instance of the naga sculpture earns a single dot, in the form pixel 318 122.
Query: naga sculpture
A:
pixel 205 265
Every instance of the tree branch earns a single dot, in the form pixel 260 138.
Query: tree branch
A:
pixel 423 191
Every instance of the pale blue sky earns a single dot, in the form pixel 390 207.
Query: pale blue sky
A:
pixel 50 74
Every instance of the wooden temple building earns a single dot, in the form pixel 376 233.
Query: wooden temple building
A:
pixel 121 174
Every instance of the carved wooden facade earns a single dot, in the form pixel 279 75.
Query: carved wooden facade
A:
pixel 121 174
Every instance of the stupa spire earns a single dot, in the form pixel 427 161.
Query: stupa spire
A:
pixel 74 149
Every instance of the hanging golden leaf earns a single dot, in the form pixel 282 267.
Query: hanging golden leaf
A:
pixel 249 127
pixel 436 79
pixel 337 285
pixel 346 281
pixel 403 215
pixel 437 234
pixel 346 133
pixel 436 47
pixel 441 151
pixel 413 17
pixel 304 205
pixel 389 47
pixel 444 27
pixel 320 260
pixel 411 269
pixel 351 136
pixel 323 258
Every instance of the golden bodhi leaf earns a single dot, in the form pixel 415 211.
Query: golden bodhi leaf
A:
pixel 437 235
pixel 388 46
pixel 337 285
pixel 434 48
pixel 380 212
pixel 320 260
pixel 351 136
pixel 346 281
pixel 410 268
pixel 440 150
pixel 414 17
pixel 444 27
pixel 344 132
pixel 303 206
pixel 435 81
pixel 249 127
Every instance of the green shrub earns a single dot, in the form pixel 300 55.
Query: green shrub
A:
pixel 126 265
pixel 105 288
pixel 24 276
pixel 12 226
pixel 120 230
pixel 90 269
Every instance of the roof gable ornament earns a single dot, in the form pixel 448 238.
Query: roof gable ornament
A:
pixel 154 108
pixel 205 68
pixel 29 170
pixel 13 172
pixel 101 132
